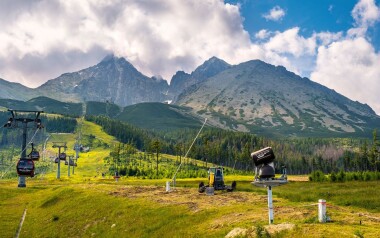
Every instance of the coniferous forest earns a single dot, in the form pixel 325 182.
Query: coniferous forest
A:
pixel 226 148
pixel 233 149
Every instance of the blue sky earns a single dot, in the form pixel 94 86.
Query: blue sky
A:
pixel 310 15
pixel 356 76
pixel 335 43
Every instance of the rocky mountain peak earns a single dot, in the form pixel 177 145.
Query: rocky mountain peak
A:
pixel 113 79
pixel 117 63
pixel 181 80
pixel 256 96
pixel 209 68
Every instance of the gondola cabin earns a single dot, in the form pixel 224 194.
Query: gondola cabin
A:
pixel 72 163
pixel 34 155
pixel 25 167
pixel 62 156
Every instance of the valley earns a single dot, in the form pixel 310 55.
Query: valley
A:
pixel 217 118
pixel 89 204
pixel 126 130
pixel 252 96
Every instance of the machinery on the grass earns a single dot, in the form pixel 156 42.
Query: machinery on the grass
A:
pixel 216 181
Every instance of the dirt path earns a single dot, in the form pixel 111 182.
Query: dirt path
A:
pixel 21 222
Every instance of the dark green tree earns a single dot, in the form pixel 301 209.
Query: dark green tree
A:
pixel 156 147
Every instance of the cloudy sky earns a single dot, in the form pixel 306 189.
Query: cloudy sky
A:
pixel 335 43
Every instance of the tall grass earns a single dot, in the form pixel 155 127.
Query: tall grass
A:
pixel 319 176
pixel 354 193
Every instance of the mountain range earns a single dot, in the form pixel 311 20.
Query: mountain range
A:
pixel 252 96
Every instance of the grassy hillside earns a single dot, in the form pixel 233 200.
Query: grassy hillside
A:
pixel 45 104
pixel 139 208
pixel 88 205
pixel 102 108
pixel 158 116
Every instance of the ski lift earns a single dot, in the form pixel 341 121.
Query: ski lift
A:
pixel 34 154
pixel 25 167
pixel 38 123
pixel 71 162
pixel 62 156
pixel 9 122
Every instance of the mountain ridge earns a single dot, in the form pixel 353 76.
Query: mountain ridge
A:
pixel 113 79
pixel 182 80
pixel 255 95
pixel 252 96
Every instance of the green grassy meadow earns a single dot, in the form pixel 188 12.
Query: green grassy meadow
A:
pixel 88 205
pixel 96 207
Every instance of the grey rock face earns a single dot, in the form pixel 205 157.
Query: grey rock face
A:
pixel 256 95
pixel 113 79
pixel 181 80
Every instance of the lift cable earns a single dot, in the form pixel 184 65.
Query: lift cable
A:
pixel 175 174
pixel 13 164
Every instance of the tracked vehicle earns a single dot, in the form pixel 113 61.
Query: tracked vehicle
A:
pixel 216 181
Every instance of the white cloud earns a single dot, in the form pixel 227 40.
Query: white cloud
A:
pixel 291 42
pixel 40 40
pixel 351 67
pixel 326 37
pixel 366 13
pixel 275 14
pixel 350 64
pixel 158 37
pixel 262 34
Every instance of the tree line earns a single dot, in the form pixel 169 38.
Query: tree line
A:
pixel 51 124
pixel 233 149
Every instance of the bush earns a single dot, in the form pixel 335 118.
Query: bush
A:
pixel 333 177
pixel 346 176
pixel 341 177
pixel 317 176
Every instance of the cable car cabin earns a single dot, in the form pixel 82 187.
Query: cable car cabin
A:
pixel 34 155
pixel 25 167
pixel 62 156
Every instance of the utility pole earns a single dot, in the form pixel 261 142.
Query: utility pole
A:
pixel 77 148
pixel 68 166
pixel 74 162
pixel 13 123
pixel 59 145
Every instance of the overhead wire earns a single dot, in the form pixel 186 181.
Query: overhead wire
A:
pixel 13 164
pixel 43 172
pixel 199 132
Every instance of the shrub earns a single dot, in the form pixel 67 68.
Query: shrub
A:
pixel 341 177
pixel 333 177
pixel 317 176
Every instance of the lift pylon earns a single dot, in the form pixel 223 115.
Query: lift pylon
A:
pixel 14 122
